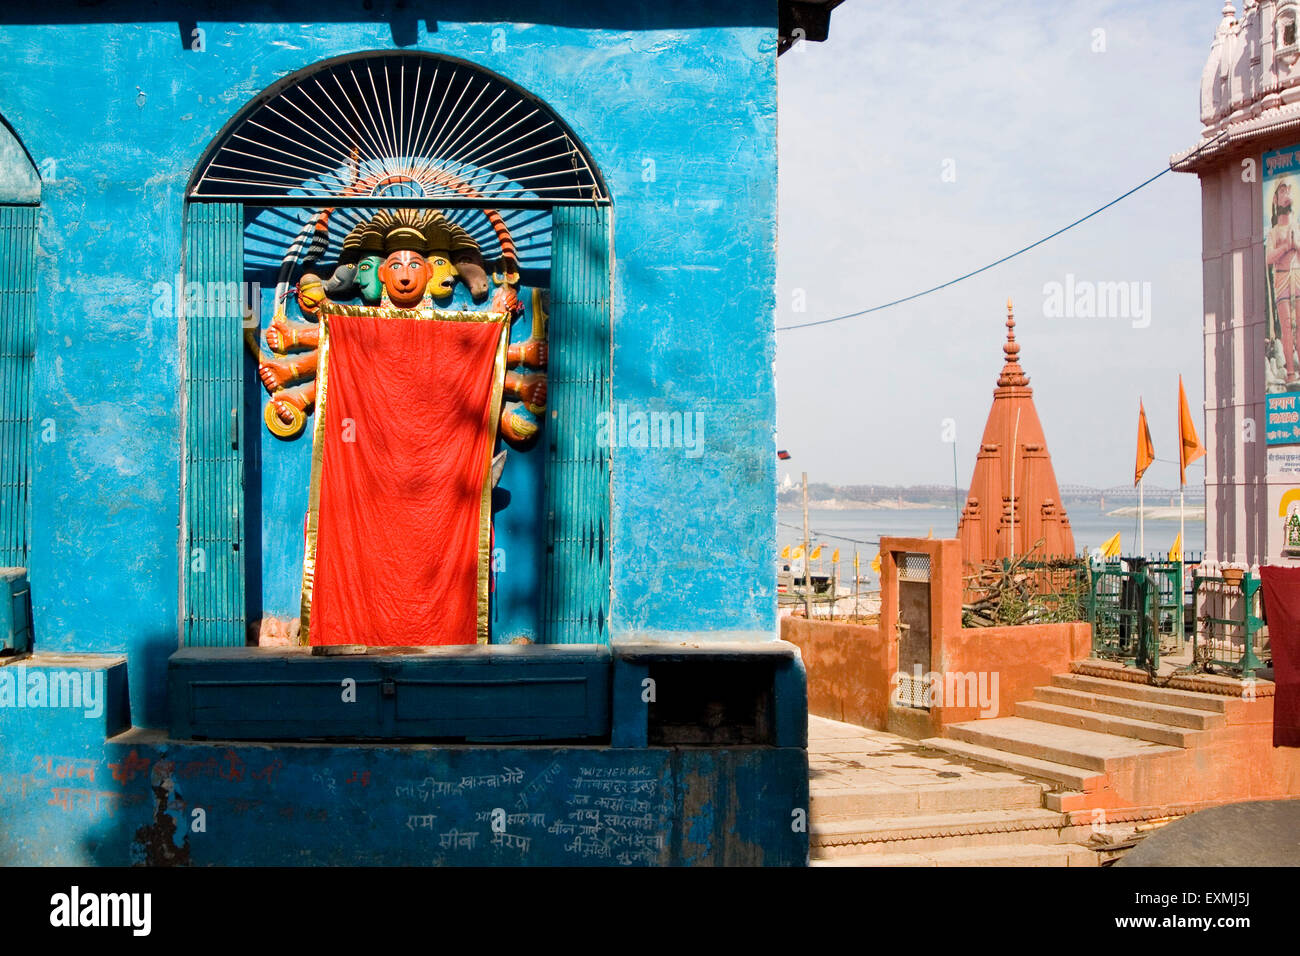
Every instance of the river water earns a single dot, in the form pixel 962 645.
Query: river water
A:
pixel 867 525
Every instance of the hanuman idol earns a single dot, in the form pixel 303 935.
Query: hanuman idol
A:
pixel 403 259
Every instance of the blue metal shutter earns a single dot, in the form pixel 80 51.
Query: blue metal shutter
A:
pixel 575 595
pixel 17 345
pixel 214 461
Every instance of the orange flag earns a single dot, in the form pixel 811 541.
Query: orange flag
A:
pixel 1189 446
pixel 1146 451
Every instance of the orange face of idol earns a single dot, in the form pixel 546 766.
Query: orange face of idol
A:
pixel 405 275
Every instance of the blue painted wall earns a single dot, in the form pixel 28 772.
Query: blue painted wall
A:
pixel 677 105
pixel 70 797
pixel 133 802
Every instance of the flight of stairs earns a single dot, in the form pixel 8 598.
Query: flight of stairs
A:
pixel 1086 761
pixel 1082 733
pixel 997 825
pixel 879 799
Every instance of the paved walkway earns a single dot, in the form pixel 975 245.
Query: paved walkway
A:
pixel 844 756
pixel 883 800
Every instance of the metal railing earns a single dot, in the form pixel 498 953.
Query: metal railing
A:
pixel 1121 604
pixel 1142 609
pixel 1230 622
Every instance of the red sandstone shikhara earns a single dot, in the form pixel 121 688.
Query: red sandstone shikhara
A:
pixel 1013 502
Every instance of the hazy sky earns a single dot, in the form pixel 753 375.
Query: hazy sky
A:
pixel 923 141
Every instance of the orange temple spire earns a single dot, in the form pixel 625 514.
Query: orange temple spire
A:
pixel 1014 501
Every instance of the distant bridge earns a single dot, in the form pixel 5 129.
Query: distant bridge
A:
pixel 1193 492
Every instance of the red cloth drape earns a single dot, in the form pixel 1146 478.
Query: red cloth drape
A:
pixel 1282 610
pixel 407 434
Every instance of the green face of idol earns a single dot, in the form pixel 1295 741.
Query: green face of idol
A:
pixel 372 287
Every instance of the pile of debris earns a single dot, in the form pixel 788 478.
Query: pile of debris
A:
pixel 1022 590
pixel 1005 596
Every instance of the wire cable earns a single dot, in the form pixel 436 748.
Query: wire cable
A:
pixel 998 262
pixel 837 537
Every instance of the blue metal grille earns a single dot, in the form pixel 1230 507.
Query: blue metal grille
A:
pixel 17 345
pixel 575 599
pixel 214 568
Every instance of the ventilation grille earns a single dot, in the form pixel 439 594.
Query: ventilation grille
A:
pixel 913 567
pixel 400 126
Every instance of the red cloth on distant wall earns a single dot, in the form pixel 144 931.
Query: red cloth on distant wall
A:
pixel 408 428
pixel 1282 610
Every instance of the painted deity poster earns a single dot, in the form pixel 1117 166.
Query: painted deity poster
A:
pixel 1282 296
pixel 1282 336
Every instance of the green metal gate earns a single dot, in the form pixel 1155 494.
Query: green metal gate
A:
pixel 575 592
pixel 1121 607
pixel 214 461
pixel 1230 622
pixel 1168 604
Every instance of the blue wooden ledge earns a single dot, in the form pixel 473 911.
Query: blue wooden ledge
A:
pixel 478 693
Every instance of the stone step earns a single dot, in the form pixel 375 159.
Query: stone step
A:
pixel 1105 723
pixel 1065 801
pixel 1130 707
pixel 1157 695
pixel 847 803
pixel 936 832
pixel 1063 745
pixel 1064 775
pixel 1030 854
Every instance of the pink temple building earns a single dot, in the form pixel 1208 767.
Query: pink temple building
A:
pixel 1248 160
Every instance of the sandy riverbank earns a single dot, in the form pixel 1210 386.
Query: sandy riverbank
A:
pixel 1160 512
pixel 842 504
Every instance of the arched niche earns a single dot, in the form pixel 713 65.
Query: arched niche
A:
pixel 274 196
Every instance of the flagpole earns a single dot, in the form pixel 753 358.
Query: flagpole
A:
pixel 1180 524
pixel 1142 528
pixel 835 575
pixel 857 581
pixel 807 564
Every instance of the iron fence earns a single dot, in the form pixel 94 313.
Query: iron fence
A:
pixel 1230 629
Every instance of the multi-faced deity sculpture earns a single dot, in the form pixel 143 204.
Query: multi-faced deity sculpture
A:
pixel 403 259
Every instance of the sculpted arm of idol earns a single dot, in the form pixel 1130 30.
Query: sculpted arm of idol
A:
pixel 525 382
pixel 296 341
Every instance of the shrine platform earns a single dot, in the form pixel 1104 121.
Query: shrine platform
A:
pixel 630 694
pixel 631 755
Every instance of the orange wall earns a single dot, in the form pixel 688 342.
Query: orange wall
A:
pixel 1022 657
pixel 848 669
